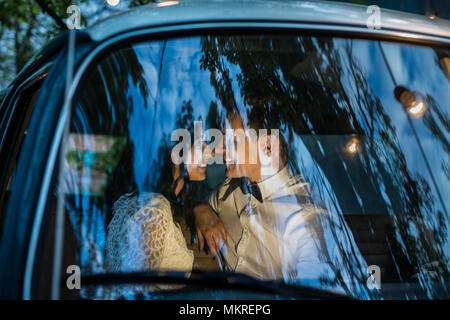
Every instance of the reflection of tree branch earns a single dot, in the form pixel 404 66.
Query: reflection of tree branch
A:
pixel 51 13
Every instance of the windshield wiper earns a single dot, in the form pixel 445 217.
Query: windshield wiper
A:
pixel 213 280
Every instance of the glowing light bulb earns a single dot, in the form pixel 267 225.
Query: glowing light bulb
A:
pixel 166 3
pixel 353 146
pixel 417 109
pixel 412 101
pixel 432 15
pixel 113 3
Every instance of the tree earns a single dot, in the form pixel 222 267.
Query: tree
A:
pixel 27 25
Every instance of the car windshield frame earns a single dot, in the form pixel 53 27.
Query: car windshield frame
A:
pixel 105 47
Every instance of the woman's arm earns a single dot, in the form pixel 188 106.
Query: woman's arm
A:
pixel 145 237
pixel 154 235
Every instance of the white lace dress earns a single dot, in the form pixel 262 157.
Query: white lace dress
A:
pixel 142 236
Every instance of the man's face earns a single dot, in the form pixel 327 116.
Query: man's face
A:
pixel 240 154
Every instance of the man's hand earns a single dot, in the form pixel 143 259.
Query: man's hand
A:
pixel 209 227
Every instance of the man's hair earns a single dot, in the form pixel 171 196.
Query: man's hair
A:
pixel 257 125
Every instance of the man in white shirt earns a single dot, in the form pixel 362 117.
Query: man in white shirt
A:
pixel 266 224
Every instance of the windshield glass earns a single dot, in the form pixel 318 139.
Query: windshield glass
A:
pixel 290 158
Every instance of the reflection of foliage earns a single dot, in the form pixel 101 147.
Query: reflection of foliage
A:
pixel 104 161
pixel 112 109
pixel 305 94
pixel 214 116
pixel 136 3
pixel 431 119
pixel 185 119
pixel 438 122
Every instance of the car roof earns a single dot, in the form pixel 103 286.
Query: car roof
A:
pixel 311 12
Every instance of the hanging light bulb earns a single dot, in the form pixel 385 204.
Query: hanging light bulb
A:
pixel 432 15
pixel 417 109
pixel 412 101
pixel 353 146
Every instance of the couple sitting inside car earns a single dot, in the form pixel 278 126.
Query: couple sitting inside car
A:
pixel 261 219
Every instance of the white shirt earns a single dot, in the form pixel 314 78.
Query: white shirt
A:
pixel 275 239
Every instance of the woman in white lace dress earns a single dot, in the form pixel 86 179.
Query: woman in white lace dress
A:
pixel 142 235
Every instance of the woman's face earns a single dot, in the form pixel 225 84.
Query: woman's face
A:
pixel 197 171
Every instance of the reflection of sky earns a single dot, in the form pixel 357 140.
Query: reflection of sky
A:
pixel 315 176
pixel 416 69
pixel 182 79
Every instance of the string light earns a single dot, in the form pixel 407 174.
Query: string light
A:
pixel 353 146
pixel 413 102
pixel 432 15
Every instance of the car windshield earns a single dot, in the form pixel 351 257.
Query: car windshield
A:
pixel 315 161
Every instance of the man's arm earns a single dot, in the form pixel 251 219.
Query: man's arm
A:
pixel 209 227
